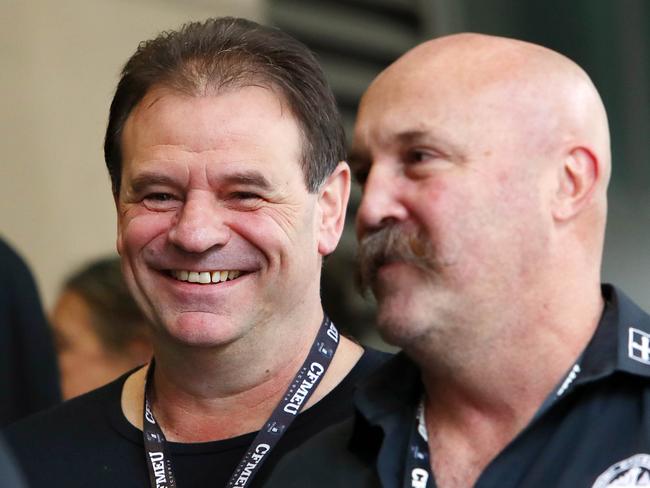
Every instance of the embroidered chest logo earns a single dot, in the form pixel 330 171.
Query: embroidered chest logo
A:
pixel 638 345
pixel 631 472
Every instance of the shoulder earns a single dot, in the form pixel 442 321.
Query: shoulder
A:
pixel 370 361
pixel 81 442
pixel 16 277
pixel 313 464
pixel 10 258
pixel 73 420
pixel 8 471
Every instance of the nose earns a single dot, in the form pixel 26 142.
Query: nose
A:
pixel 199 225
pixel 381 201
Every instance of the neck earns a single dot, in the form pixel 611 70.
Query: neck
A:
pixel 205 394
pixel 516 352
pixel 492 386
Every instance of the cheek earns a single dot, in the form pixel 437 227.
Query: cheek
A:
pixel 459 219
pixel 444 209
pixel 138 231
pixel 276 236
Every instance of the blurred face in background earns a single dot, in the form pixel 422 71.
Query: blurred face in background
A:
pixel 85 362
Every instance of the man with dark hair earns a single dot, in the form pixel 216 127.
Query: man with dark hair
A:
pixel 485 163
pixel 225 151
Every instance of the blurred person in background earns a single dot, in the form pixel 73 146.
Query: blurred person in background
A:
pixel 100 333
pixel 28 374
pixel 10 475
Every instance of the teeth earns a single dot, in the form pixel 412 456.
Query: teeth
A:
pixel 205 277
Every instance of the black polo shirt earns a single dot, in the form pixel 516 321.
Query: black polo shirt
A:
pixel 592 431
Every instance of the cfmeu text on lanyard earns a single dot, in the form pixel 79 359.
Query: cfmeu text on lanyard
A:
pixel 161 474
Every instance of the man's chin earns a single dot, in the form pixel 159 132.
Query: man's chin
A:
pixel 202 329
pixel 402 317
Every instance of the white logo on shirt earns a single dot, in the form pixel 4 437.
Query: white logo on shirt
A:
pixel 631 472
pixel 419 478
pixel 638 346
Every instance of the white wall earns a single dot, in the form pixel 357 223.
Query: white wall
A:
pixel 60 62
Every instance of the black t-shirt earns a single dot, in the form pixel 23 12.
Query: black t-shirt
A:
pixel 87 441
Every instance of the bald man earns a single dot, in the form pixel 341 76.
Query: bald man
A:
pixel 484 163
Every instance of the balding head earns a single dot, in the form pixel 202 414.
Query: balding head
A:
pixel 546 99
pixel 494 151
pixel 516 95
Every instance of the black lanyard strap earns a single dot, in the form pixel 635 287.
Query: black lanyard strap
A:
pixel 161 474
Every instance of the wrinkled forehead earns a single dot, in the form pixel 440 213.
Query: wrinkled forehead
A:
pixel 432 104
pixel 476 101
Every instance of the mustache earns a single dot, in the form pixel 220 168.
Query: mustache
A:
pixel 392 244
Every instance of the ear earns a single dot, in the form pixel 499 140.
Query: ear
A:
pixel 333 199
pixel 578 178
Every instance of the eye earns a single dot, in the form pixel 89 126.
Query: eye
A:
pixel 361 174
pixel 360 169
pixel 415 156
pixel 244 200
pixel 160 201
pixel 244 195
pixel 422 162
pixel 160 197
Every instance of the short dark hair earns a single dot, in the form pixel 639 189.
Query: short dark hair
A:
pixel 230 52
pixel 115 317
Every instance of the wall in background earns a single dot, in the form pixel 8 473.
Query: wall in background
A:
pixel 61 62
pixel 60 65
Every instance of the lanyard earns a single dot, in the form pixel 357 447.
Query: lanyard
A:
pixel 161 474
pixel 417 473
pixel 418 469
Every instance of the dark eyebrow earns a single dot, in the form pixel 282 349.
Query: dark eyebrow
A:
pixel 436 139
pixel 146 178
pixel 248 178
pixel 411 136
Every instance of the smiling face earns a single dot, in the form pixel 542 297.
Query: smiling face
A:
pixel 217 231
pixel 445 163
